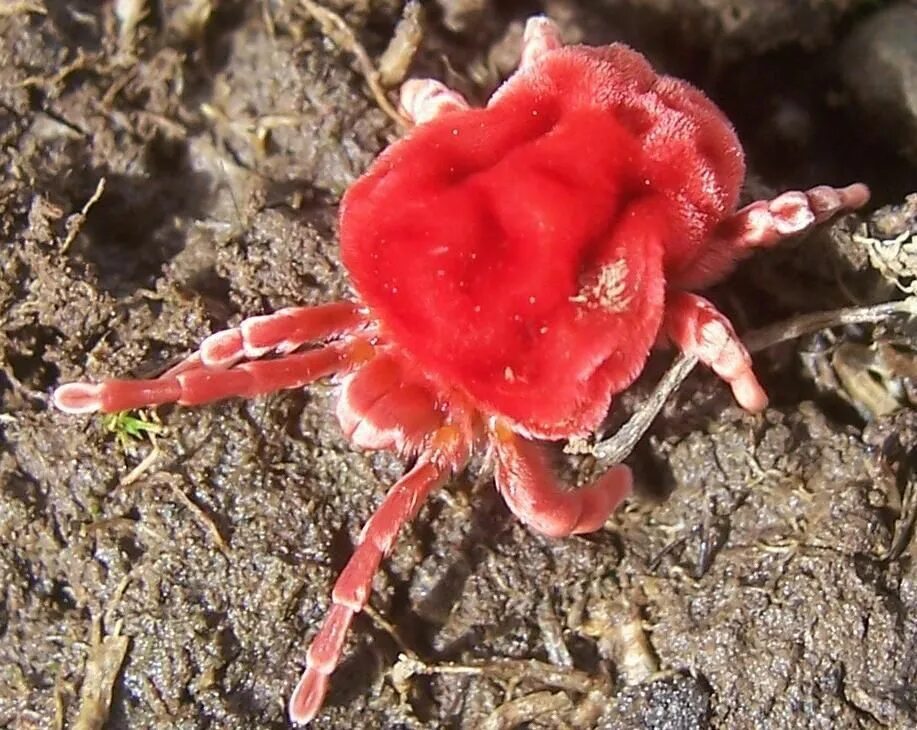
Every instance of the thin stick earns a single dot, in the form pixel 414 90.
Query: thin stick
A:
pixel 508 670
pixel 904 525
pixel 139 470
pixel 615 449
pixel 75 222
pixel 336 29
pixel 22 6
pixel 522 710
pixel 805 324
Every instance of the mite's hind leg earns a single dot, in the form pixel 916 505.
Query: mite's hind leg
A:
pixel 536 496
pixel 447 453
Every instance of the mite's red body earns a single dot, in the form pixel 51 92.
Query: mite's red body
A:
pixel 513 266
pixel 522 251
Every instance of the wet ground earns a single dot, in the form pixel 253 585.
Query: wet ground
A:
pixel 171 167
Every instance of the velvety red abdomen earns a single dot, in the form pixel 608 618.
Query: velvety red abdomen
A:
pixel 517 251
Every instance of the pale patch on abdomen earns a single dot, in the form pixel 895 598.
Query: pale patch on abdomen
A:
pixel 609 290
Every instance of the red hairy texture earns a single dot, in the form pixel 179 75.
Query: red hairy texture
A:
pixel 385 404
pixel 519 252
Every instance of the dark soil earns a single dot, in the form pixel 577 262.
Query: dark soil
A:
pixel 761 578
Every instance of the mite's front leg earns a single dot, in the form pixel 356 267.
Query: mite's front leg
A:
pixel 198 385
pixel 425 99
pixel 283 332
pixel 698 328
pixel 214 372
pixel 535 495
pixel 766 223
pixel 541 36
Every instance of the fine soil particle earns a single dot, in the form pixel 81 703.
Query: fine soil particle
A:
pixel 764 574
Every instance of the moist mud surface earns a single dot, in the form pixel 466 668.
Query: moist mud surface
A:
pixel 763 575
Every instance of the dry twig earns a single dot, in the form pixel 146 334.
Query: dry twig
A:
pixel 20 7
pixel 614 449
pixel 106 655
pixel 525 709
pixel 338 32
pixel 903 530
pixel 75 222
pixel 397 57
pixel 504 670
pixel 201 515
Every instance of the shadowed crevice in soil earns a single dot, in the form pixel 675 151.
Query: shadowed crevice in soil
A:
pixel 118 244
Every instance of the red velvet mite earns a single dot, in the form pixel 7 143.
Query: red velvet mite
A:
pixel 512 267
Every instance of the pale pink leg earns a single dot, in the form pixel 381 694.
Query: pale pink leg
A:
pixel 540 37
pixel 765 223
pixel 698 328
pixel 425 99
pixel 353 586
pixel 381 408
pixel 202 385
pixel 283 331
pixel 533 493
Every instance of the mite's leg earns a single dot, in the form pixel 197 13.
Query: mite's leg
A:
pixel 540 37
pixel 283 331
pixel 425 99
pixel 380 407
pixel 695 326
pixel 534 494
pixel 765 223
pixel 202 385
pixel 353 586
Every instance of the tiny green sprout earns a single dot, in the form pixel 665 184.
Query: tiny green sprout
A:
pixel 127 427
